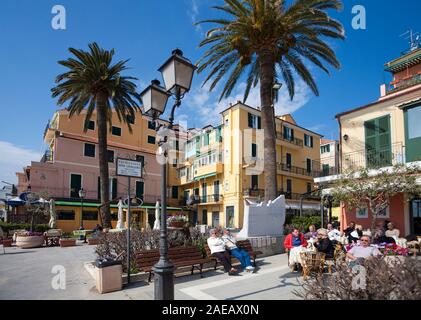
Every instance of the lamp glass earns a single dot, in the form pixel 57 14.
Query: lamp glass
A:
pixel 177 72
pixel 154 99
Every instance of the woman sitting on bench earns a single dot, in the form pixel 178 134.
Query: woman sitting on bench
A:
pixel 217 248
pixel 240 254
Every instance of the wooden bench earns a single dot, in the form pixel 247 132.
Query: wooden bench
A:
pixel 242 244
pixel 179 256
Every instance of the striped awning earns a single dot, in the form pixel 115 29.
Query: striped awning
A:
pixel 205 176
pixel 97 205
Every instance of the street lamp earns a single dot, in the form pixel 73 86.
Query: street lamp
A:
pixel 82 195
pixel 177 73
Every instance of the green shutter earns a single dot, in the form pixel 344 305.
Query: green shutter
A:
pixel 377 142
pixel 140 189
pixel 114 189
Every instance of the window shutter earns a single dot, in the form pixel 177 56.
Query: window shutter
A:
pixel 99 187
pixel 114 193
pixel 254 150
pixel 250 118
pixel 311 141
pixel 139 189
pixel 259 122
pixel 292 134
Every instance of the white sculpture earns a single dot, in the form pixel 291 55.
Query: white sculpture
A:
pixel 263 219
pixel 156 225
pixel 52 224
pixel 120 223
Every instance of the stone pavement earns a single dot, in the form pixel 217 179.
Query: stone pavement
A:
pixel 27 274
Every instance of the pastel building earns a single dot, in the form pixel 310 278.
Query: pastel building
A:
pixel 223 166
pixel 71 163
pixel 384 133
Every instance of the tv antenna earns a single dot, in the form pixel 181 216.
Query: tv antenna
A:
pixel 414 39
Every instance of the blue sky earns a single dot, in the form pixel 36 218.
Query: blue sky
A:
pixel 146 31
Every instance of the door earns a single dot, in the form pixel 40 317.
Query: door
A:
pixel 378 151
pixel 75 185
pixel 254 182
pixel 215 219
pixel 229 213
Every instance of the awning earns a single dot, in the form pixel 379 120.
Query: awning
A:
pixel 205 176
pixel 14 202
pixel 97 205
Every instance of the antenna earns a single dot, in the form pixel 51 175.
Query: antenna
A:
pixel 414 39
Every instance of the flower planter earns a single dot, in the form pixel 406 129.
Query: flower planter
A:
pixel 93 241
pixel 67 243
pixel 177 224
pixel 27 242
pixel 7 243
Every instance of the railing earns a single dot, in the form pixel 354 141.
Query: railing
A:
pixel 331 171
pixel 211 198
pixel 374 159
pixel 296 141
pixel 260 193
pixel 403 84
pixel 254 193
pixel 47 157
pixel 298 170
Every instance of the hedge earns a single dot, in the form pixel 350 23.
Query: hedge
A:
pixel 7 227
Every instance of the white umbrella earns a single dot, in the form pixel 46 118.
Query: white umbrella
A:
pixel 52 222
pixel 120 224
pixel 156 225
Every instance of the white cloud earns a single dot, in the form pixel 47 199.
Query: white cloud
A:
pixel 13 159
pixel 193 13
pixel 202 107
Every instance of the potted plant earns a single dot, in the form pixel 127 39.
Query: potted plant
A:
pixel 29 239
pixel 177 221
pixel 67 240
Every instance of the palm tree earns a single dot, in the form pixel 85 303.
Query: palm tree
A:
pixel 95 84
pixel 263 41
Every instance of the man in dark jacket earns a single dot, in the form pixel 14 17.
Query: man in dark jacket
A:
pixel 323 244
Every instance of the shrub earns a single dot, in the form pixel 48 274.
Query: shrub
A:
pixel 384 280
pixel 8 227
pixel 302 223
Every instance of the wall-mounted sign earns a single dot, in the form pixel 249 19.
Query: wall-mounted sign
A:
pixel 129 168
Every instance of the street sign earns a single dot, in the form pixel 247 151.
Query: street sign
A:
pixel 129 168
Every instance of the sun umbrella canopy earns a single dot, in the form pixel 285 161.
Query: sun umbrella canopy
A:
pixel 15 202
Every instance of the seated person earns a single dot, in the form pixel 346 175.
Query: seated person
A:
pixel 359 253
pixel 350 229
pixel 240 254
pixel 380 237
pixel 323 244
pixel 333 234
pixel 295 243
pixel 217 248
pixel 355 235
pixel 311 234
pixel 392 232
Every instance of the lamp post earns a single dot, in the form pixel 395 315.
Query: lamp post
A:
pixel 177 73
pixel 82 195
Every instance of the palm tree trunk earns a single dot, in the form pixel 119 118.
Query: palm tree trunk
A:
pixel 101 107
pixel 267 66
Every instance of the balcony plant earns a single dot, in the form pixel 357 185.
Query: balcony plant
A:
pixel 177 221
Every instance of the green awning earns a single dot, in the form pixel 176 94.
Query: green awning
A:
pixel 96 205
pixel 205 176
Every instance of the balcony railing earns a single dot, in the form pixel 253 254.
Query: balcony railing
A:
pixel 374 159
pixel 260 193
pixel 297 170
pixel 404 83
pixel 211 198
pixel 47 157
pixel 296 141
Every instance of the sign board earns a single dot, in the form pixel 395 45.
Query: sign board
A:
pixel 129 168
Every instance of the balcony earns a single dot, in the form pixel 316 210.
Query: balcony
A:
pixel 214 198
pixel 292 141
pixel 47 157
pixel 404 83
pixel 260 193
pixel 374 159
pixel 208 170
pixel 297 170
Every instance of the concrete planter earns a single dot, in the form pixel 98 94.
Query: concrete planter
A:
pixel 109 279
pixel 7 243
pixel 67 243
pixel 93 241
pixel 27 242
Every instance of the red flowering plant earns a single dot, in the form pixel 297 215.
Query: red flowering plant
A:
pixel 392 249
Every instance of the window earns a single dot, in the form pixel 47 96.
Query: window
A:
pixel 255 182
pixel 230 217
pixel 91 125
pixel 177 145
pixel 206 139
pixel 309 189
pixel 65 215
pixel 308 141
pixel 254 150
pixel 361 213
pixel 204 193
pixel 325 169
pixel 75 185
pixel 114 216
pixel 113 188
pixel 151 139
pixel 174 163
pixel 174 192
pixel 205 216
pixel 289 160
pixel 90 215
pixel 140 189
pixel 414 128
pixel 377 142
pixel 116 131
pixel 89 150
pixel 289 186
pixel 141 159
pixel 254 121
pixel 325 149
pixel 309 166
pixel 110 156
pixel 151 125
pixel 216 190
pixel 288 133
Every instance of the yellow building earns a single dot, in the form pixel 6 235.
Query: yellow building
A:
pixel 224 166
